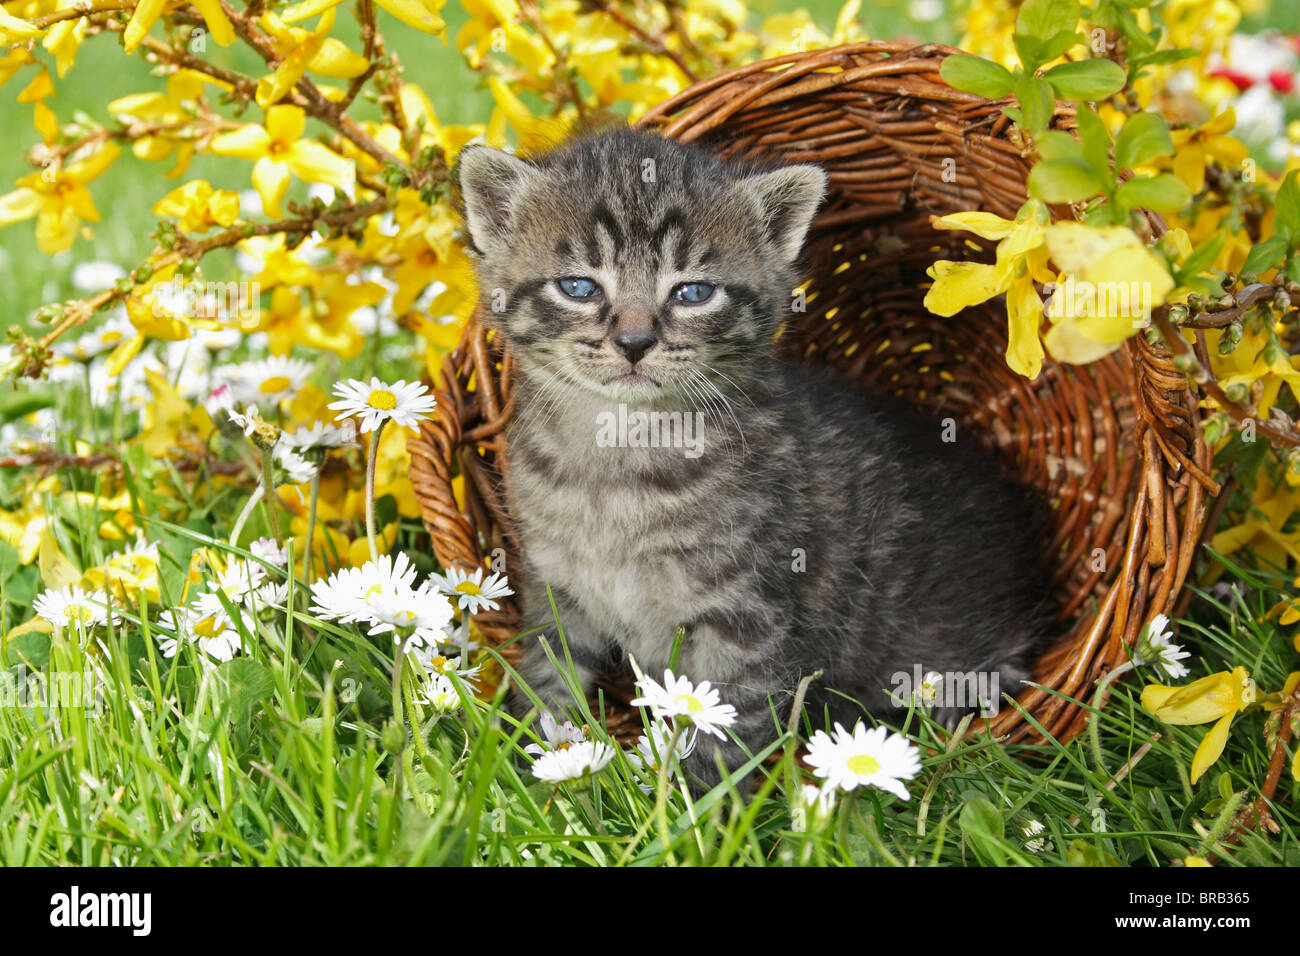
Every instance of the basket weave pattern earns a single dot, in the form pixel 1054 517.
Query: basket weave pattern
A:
pixel 1114 446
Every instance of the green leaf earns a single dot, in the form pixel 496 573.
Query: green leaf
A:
pixel 1139 40
pixel 1036 103
pixel 248 682
pixel 983 828
pixel 1045 18
pixel 1055 144
pixel 1029 49
pixel 1144 137
pixel 1265 255
pixel 1163 193
pixel 1086 79
pixel 1083 853
pixel 1287 221
pixel 974 74
pixel 979 815
pixel 1162 57
pixel 1201 258
pixel 29 648
pixel 20 402
pixel 1095 141
pixel 1058 44
pixel 1063 180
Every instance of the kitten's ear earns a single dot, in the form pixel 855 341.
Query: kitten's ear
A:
pixel 491 182
pixel 787 199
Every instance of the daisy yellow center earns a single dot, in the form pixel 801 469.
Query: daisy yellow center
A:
pixel 78 613
pixel 863 764
pixel 692 703
pixel 206 627
pixel 276 383
pixel 382 399
pixel 112 335
pixel 404 617
pixel 373 590
pixel 469 587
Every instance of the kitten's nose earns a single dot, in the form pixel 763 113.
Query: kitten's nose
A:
pixel 634 344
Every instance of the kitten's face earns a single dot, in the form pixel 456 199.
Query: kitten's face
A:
pixel 631 266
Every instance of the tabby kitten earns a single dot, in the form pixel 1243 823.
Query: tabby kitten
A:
pixel 788 523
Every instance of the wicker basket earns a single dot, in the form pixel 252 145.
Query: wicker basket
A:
pixel 1115 446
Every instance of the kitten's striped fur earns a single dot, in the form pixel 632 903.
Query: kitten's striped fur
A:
pixel 915 552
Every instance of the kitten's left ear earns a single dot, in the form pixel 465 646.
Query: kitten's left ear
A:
pixel 787 199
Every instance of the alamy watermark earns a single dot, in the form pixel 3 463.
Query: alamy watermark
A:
pixel 647 429
pixel 963 690
pixel 54 689
pixel 1081 299
pixel 208 300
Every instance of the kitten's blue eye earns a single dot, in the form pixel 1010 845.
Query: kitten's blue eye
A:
pixel 578 288
pixel 693 293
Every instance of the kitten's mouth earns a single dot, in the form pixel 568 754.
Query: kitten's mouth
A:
pixel 635 380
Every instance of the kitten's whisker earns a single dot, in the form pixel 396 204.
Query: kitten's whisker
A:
pixel 697 397
pixel 726 404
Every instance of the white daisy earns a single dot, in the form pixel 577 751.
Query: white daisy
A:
pixel 172 629
pixel 297 469
pixel 1035 842
pixel 95 275
pixel 273 594
pixel 679 699
pixel 471 592
pixel 321 435
pixel 270 551
pixel 812 806
pixel 247 420
pixel 406 610
pixel 339 597
pixel 1154 648
pixel 439 693
pixel 213 628
pixel 239 578
pixel 74 607
pixel 574 765
pixel 653 748
pixel 342 596
pixel 429 658
pixel 928 692
pixel 379 401
pixel 557 736
pixel 864 758
pixel 270 381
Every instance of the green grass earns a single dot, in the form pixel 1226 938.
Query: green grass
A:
pixel 281 756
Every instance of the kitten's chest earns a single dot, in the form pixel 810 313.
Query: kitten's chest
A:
pixel 613 543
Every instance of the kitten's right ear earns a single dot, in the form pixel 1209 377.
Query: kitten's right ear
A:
pixel 491 182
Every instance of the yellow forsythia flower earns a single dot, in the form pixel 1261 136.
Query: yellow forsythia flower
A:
pixel 199 207
pixel 1219 697
pixel 278 150
pixel 57 197
pixel 1021 259
pixel 1112 281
